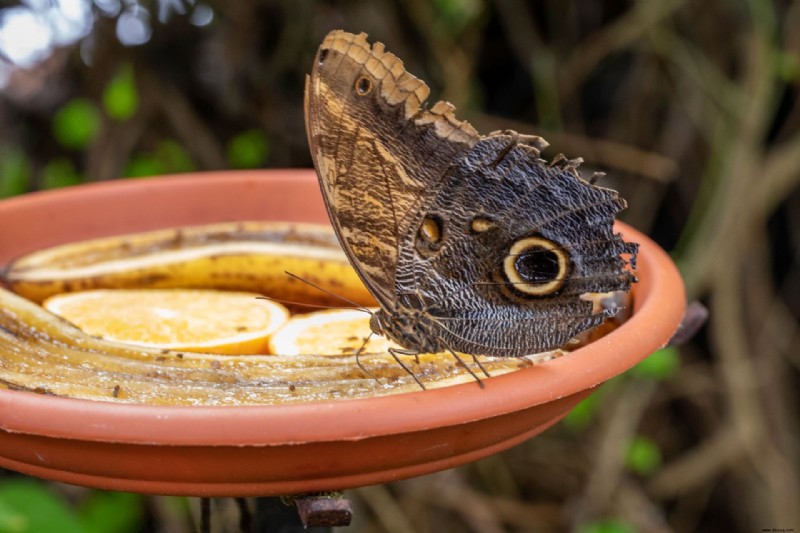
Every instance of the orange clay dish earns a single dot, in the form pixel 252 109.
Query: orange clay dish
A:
pixel 292 445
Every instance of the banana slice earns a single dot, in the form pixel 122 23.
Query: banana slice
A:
pixel 249 256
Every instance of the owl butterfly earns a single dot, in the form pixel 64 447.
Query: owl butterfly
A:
pixel 469 243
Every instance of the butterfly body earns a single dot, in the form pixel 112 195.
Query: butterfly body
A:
pixel 409 327
pixel 469 243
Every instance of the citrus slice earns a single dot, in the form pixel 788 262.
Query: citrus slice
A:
pixel 175 319
pixel 332 332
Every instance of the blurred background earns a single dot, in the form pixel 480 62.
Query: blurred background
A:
pixel 690 106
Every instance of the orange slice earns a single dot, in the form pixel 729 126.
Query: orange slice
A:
pixel 333 332
pixel 175 319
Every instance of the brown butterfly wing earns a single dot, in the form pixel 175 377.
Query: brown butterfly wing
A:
pixel 471 282
pixel 376 150
pixel 431 213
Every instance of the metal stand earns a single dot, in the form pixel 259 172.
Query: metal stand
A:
pixel 315 513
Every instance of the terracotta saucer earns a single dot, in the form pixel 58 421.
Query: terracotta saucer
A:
pixel 273 450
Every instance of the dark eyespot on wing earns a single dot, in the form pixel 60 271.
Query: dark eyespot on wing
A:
pixel 363 86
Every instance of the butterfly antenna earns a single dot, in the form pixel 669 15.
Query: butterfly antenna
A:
pixel 356 305
pixel 474 375
pixel 303 304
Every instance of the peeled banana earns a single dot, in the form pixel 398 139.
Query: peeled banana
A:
pixel 43 353
pixel 246 256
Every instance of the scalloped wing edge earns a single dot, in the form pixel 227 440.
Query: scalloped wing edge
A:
pixel 398 86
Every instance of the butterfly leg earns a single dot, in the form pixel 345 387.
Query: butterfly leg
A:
pixel 480 365
pixel 474 375
pixel 525 360
pixel 358 359
pixel 395 351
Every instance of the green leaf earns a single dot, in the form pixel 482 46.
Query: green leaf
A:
pixel 11 520
pixel 544 69
pixel 112 512
pixel 143 165
pixel 787 65
pixel 169 157
pixel 583 413
pixel 248 149
pixel 662 364
pixel 15 171
pixel 76 123
pixel 32 507
pixel 173 157
pixel 612 525
pixel 643 455
pixel 120 98
pixel 455 15
pixel 60 173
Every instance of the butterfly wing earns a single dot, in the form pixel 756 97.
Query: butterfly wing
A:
pixel 520 243
pixel 376 150
pixel 494 247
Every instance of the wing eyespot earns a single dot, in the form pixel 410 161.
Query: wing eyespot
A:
pixel 430 230
pixel 323 54
pixel 363 86
pixel 430 235
pixel 536 266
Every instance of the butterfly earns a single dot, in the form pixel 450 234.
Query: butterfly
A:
pixel 469 243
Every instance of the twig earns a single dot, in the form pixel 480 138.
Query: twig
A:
pixel 606 475
pixel 601 152
pixel 450 491
pixel 187 126
pixel 245 515
pixel 457 65
pixel 778 393
pixel 635 24
pixel 781 173
pixel 170 517
pixel 106 157
pixel 732 210
pixel 485 512
pixel 537 59
pixel 205 515
pixel 699 466
pixel 639 510
pixel 747 414
pixel 381 502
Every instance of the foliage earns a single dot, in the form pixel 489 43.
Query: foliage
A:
pixel 15 172
pixel 663 364
pixel 643 455
pixel 607 526
pixel 28 506
pixel 76 123
pixel 120 99
pixel 60 172
pixel 247 149
pixel 169 157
